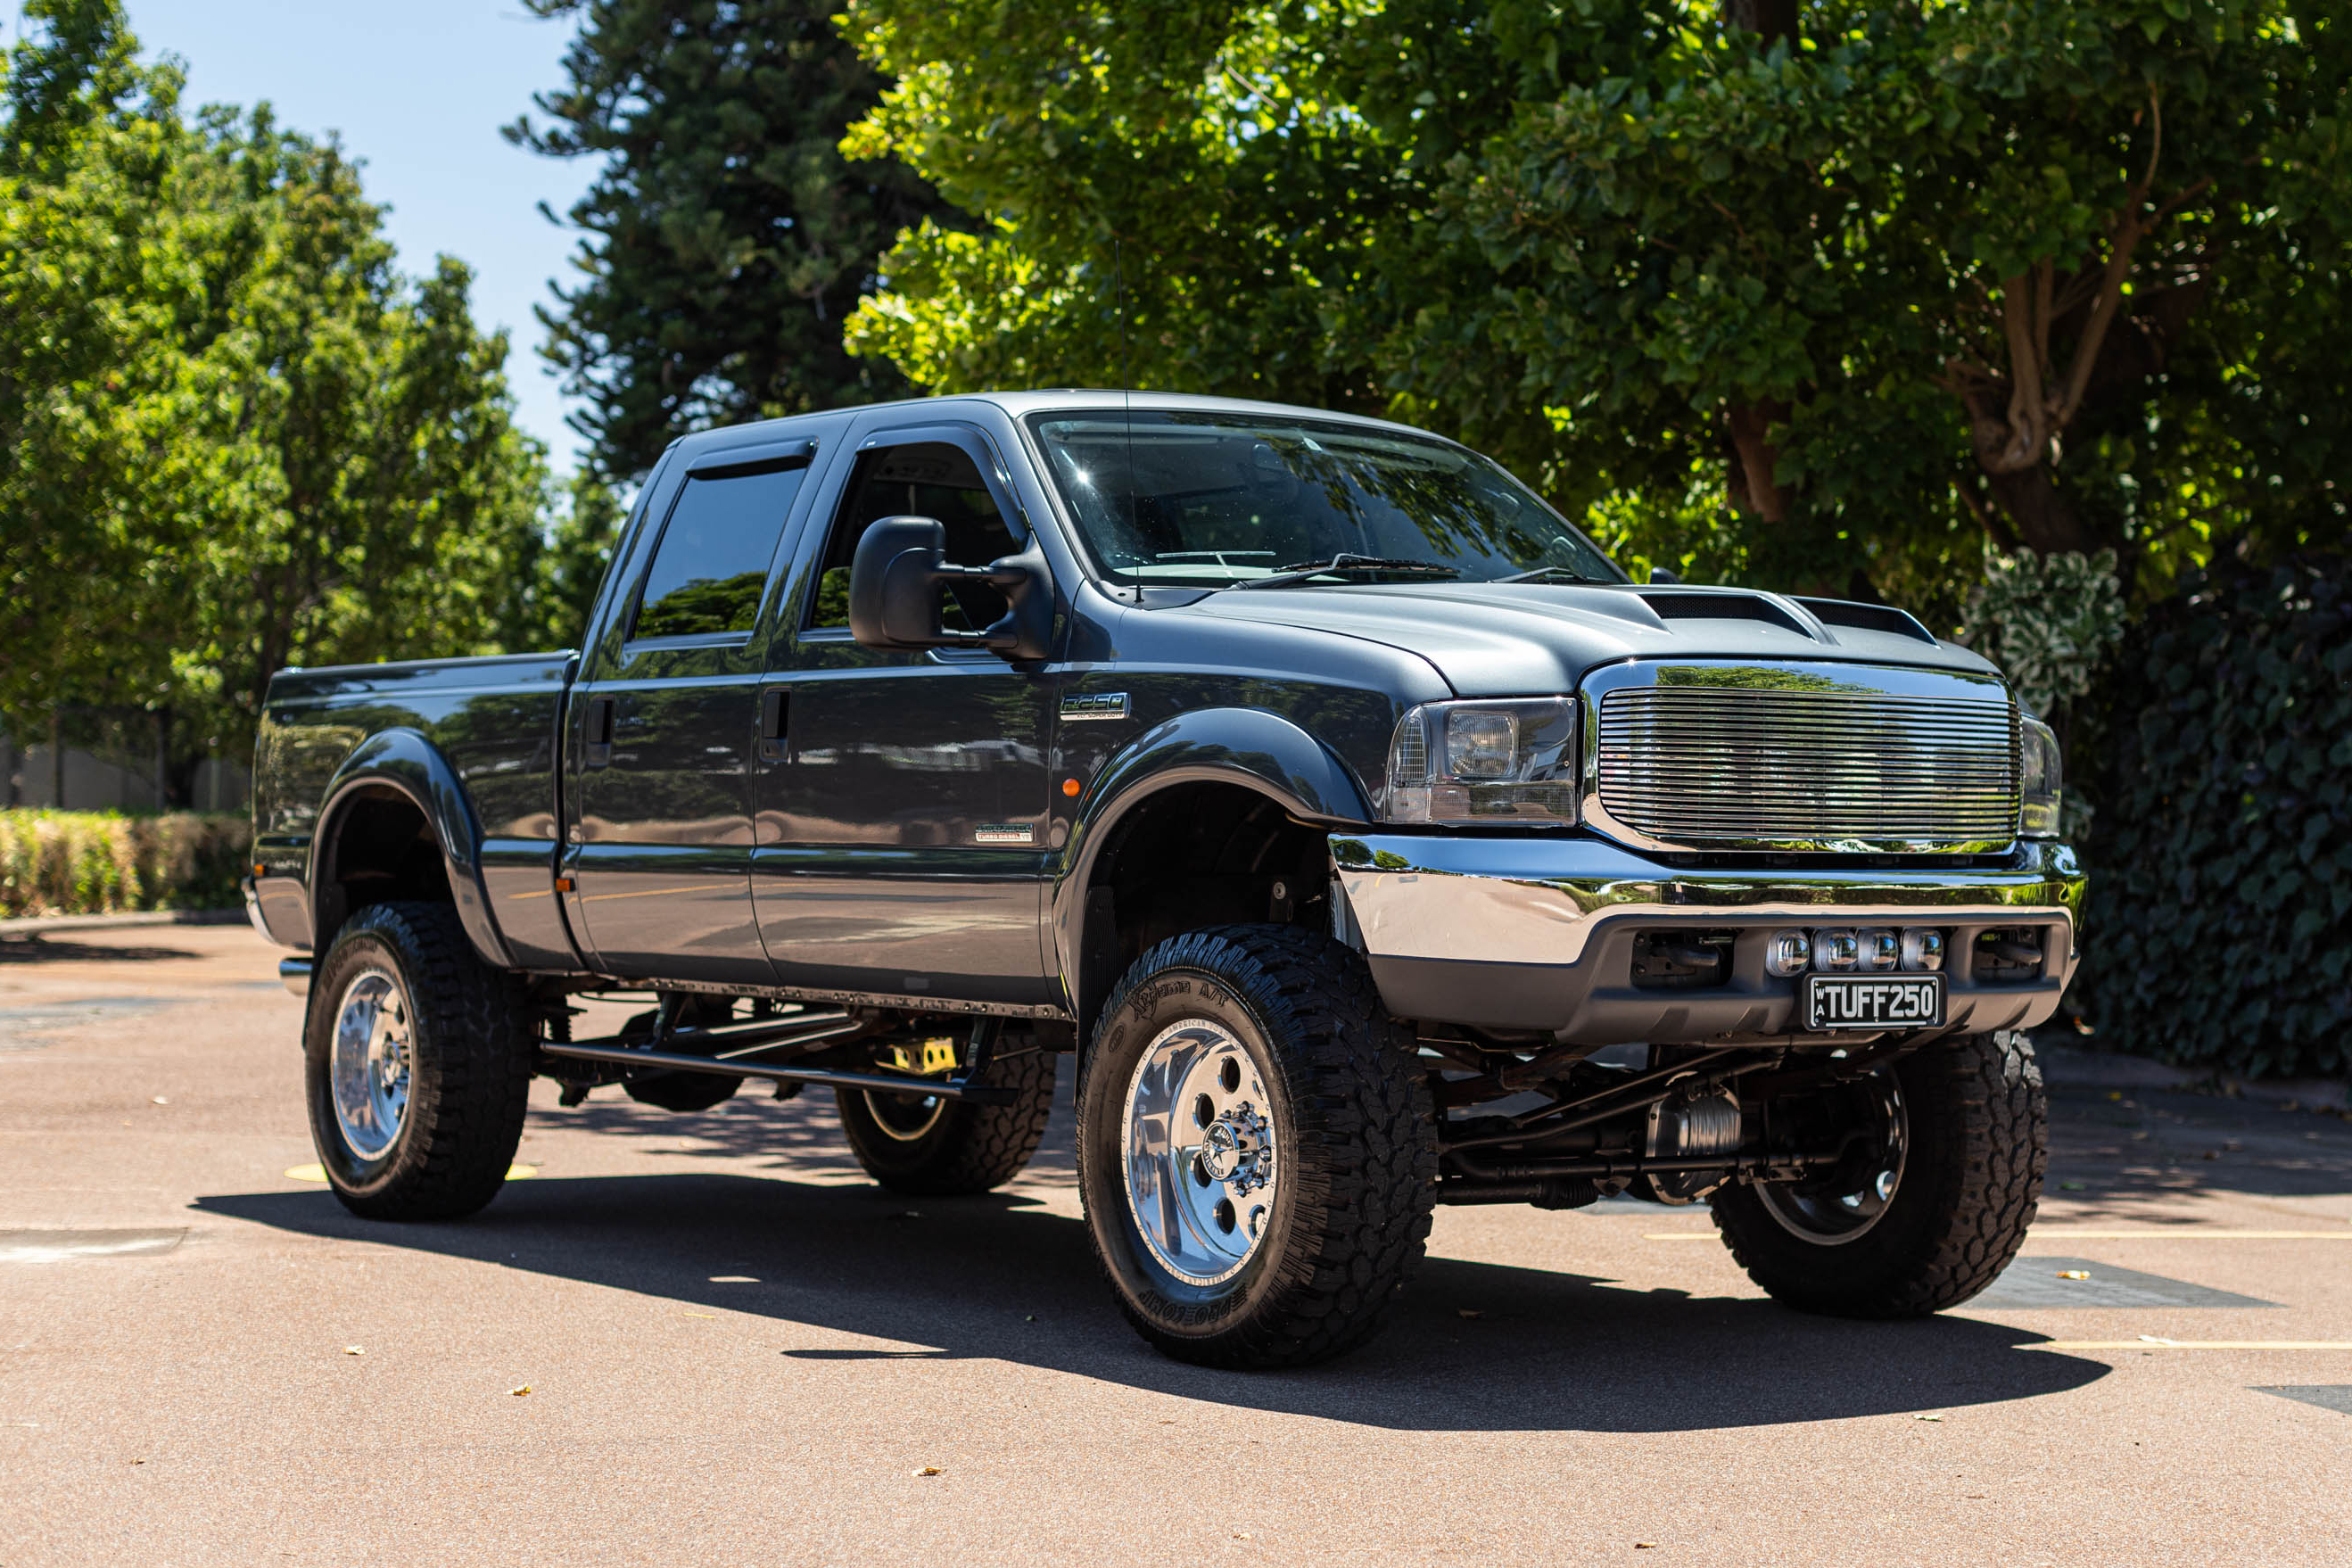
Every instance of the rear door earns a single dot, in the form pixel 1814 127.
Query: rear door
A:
pixel 662 725
pixel 901 822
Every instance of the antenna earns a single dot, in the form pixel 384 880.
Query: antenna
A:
pixel 1126 393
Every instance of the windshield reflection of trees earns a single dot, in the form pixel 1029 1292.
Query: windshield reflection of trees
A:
pixel 1261 497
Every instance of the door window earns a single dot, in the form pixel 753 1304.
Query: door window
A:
pixel 923 478
pixel 712 561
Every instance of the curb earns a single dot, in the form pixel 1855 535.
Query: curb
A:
pixel 2074 1067
pixel 34 925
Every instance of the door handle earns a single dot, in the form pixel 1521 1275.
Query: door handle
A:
pixel 774 706
pixel 596 730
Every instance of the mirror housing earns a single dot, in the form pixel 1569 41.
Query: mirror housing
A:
pixel 895 576
pixel 1660 575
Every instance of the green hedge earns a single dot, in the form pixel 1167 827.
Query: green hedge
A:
pixel 2220 761
pixel 95 862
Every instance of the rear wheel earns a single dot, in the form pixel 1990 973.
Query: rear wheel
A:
pixel 1930 1205
pixel 1256 1148
pixel 930 1146
pixel 418 1058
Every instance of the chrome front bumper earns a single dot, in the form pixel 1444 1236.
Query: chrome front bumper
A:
pixel 1536 933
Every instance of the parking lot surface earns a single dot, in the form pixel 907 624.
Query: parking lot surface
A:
pixel 737 1350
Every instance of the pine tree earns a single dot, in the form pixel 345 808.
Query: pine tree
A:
pixel 725 237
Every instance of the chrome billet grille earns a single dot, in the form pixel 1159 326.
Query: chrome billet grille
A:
pixel 1722 765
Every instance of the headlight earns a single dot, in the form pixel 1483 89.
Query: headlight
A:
pixel 2039 781
pixel 1485 762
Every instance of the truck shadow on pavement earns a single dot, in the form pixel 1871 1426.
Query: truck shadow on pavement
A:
pixel 850 1274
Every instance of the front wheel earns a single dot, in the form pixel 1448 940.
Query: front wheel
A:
pixel 417 1058
pixel 1948 1152
pixel 1257 1149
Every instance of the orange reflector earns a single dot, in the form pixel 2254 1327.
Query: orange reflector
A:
pixel 564 884
pixel 1071 787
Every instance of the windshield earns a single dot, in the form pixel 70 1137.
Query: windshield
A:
pixel 1216 500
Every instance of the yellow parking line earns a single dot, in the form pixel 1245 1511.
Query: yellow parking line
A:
pixel 2148 1342
pixel 319 1173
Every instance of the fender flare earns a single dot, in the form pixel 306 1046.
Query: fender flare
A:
pixel 1252 747
pixel 405 763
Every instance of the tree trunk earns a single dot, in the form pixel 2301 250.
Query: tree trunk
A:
pixel 1772 20
pixel 2043 520
pixel 163 758
pixel 1751 485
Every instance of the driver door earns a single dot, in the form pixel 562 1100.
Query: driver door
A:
pixel 901 829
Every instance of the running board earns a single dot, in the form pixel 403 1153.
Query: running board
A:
pixel 791 1032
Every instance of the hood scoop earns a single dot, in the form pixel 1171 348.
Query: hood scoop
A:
pixel 1869 618
pixel 1722 607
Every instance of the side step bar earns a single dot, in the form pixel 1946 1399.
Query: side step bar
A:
pixel 790 1032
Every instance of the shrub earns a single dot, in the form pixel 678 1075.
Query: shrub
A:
pixel 2048 621
pixel 93 862
pixel 2219 931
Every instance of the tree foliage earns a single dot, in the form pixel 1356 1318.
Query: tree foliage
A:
pixel 232 436
pixel 1827 294
pixel 725 237
pixel 2221 926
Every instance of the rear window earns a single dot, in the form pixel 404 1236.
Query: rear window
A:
pixel 713 558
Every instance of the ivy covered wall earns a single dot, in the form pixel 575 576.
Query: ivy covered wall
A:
pixel 2217 751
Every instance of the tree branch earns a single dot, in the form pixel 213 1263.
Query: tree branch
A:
pixel 2025 436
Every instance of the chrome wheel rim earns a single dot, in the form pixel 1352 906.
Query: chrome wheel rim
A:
pixel 1834 1211
pixel 1197 1149
pixel 373 1059
pixel 905 1118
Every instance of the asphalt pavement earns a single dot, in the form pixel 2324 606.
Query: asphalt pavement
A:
pixel 706 1339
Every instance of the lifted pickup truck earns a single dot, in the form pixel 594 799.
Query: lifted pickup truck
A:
pixel 1373 841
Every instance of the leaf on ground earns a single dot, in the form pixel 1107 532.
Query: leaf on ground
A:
pixel 928 1470
pixel 1926 1418
pixel 2073 1274
pixel 354 1350
pixel 1468 1312
pixel 518 1393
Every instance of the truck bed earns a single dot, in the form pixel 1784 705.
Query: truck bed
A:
pixel 494 720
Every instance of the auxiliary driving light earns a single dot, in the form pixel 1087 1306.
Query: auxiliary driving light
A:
pixel 1923 948
pixel 1836 950
pixel 1880 948
pixel 1790 953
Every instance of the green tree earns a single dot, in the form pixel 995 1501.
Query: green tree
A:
pixel 725 237
pixel 1823 294
pixel 232 436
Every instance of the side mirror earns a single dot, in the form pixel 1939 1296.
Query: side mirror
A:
pixel 1660 575
pixel 894 580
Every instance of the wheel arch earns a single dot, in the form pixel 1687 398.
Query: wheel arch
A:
pixel 1279 788
pixel 394 794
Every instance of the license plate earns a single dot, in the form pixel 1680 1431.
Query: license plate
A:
pixel 1874 1001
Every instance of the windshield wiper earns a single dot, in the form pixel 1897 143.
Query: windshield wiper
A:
pixel 1570 573
pixel 1306 570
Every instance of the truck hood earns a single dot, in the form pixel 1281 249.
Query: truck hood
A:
pixel 1505 639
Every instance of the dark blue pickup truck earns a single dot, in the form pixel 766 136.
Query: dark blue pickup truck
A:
pixel 1373 841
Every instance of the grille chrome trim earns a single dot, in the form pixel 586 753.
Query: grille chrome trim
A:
pixel 1707 755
